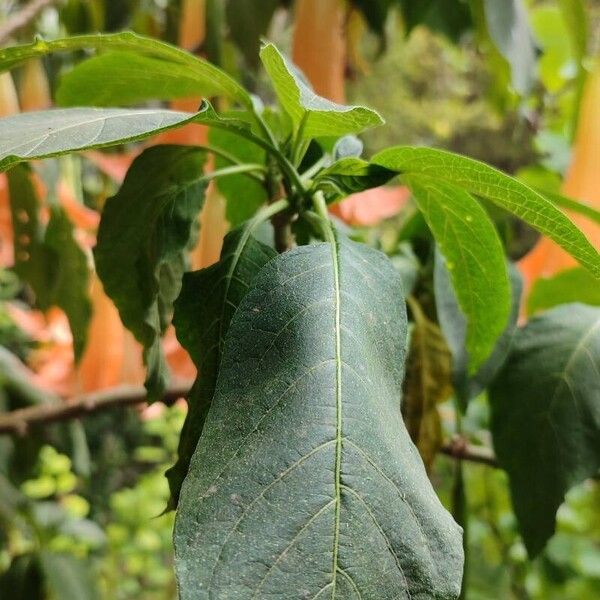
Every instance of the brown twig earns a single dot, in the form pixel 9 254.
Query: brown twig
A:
pixel 460 449
pixel 22 18
pixel 19 422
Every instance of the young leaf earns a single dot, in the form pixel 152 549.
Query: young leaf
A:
pixel 475 258
pixel 209 79
pixel 50 260
pixel 305 482
pixel 312 115
pixel 145 230
pixel 34 135
pixel 348 176
pixel 512 195
pixel 244 196
pixel 427 384
pixel 203 311
pixel 570 285
pixel 454 327
pixel 546 415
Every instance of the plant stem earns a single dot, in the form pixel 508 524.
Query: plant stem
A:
pixel 245 169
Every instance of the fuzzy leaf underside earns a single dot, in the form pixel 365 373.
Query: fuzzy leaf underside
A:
pixel 305 483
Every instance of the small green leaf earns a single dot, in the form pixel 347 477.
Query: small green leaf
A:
pixel 571 285
pixel 207 76
pixel 50 260
pixel 34 135
pixel 348 176
pixel 143 235
pixel 244 196
pixel 454 325
pixel 305 482
pixel 512 195
pixel 474 257
pixel 203 311
pixel 312 115
pixel 546 415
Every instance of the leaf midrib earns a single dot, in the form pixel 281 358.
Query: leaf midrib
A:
pixel 331 238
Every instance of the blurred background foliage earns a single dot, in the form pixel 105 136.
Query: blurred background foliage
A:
pixel 87 499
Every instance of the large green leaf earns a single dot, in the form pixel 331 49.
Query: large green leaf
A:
pixel 454 326
pixel 203 310
pixel 34 135
pixel 312 115
pixel 145 230
pixel 305 482
pixel 49 260
pixel 512 195
pixel 475 258
pixel 209 79
pixel 508 26
pixel 546 415
pixel 571 285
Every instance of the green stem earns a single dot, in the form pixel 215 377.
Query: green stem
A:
pixel 264 214
pixel 245 169
pixel 229 158
pixel 313 170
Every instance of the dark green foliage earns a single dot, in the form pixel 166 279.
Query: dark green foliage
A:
pixel 546 416
pixel 203 311
pixel 305 482
pixel 144 234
